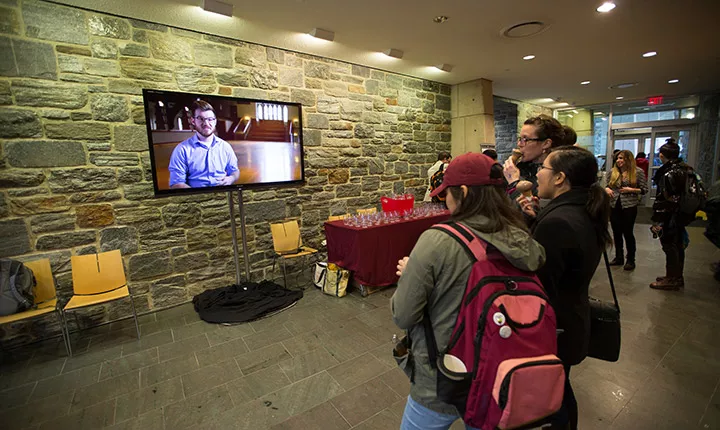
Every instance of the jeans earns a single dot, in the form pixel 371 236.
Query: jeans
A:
pixel 567 417
pixel 418 417
pixel 672 241
pixel 623 222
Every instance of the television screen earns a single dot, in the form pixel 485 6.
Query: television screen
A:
pixel 208 143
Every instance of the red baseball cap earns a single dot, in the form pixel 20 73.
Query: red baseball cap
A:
pixel 468 169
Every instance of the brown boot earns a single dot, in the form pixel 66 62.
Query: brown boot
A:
pixel 672 284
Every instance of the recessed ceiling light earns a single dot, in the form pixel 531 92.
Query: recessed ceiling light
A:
pixel 440 19
pixel 649 54
pixel 673 81
pixel 575 111
pixel 445 67
pixel 619 98
pixel 395 53
pixel 598 113
pixel 585 83
pixel 606 7
pixel 528 57
pixel 218 7
pixel 323 34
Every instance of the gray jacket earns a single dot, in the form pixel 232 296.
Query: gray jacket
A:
pixel 628 200
pixel 435 277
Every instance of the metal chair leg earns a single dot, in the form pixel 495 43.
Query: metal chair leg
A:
pixel 62 332
pixel 67 332
pixel 284 272
pixel 137 326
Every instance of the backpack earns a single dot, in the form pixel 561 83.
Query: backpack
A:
pixel 435 181
pixel 500 368
pixel 16 287
pixel 694 197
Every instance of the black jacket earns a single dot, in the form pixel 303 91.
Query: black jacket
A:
pixel 670 180
pixel 566 231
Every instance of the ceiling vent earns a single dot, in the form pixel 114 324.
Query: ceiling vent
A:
pixel 623 86
pixel 525 29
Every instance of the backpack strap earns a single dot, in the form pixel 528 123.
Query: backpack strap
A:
pixel 475 247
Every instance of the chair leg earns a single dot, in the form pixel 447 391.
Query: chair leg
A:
pixel 284 267
pixel 137 326
pixel 62 332
pixel 67 332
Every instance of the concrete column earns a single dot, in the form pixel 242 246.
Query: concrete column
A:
pixel 473 125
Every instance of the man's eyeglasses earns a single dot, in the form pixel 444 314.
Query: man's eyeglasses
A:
pixel 207 120
pixel 525 140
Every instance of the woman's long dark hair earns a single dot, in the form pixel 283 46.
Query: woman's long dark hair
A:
pixel 580 169
pixel 490 201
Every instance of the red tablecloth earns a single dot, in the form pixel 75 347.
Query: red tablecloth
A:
pixel 372 253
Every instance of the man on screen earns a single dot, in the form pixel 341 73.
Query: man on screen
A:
pixel 204 160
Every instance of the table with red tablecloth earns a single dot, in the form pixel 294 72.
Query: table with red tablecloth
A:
pixel 372 252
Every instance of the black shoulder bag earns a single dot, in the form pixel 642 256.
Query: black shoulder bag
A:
pixel 605 324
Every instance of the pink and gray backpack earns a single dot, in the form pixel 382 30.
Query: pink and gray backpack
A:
pixel 508 375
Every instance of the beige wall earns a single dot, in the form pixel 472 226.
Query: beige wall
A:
pixel 472 116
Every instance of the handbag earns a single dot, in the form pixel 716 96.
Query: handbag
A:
pixel 336 281
pixel 605 324
pixel 320 274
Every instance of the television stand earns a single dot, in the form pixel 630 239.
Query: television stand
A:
pixel 234 236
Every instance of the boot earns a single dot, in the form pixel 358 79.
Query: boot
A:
pixel 660 278
pixel 671 284
pixel 630 265
pixel 617 261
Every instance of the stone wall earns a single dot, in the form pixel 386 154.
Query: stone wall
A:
pixel 709 115
pixel 74 165
pixel 506 129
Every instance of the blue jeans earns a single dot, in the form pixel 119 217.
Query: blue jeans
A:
pixel 418 417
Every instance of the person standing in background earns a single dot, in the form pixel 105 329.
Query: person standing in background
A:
pixel 625 184
pixel 570 136
pixel 491 153
pixel 443 159
pixel 642 162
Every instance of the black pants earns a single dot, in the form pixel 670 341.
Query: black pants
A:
pixel 623 222
pixel 672 241
pixel 568 415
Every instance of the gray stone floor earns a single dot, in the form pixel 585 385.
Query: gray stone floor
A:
pixel 326 364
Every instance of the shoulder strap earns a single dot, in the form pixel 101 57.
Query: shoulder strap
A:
pixel 473 245
pixel 612 284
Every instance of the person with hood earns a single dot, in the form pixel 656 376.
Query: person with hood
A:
pixel 436 273
pixel 443 161
pixel 573 229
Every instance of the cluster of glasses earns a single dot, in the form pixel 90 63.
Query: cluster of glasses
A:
pixel 382 218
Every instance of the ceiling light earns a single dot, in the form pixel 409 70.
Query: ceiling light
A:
pixel 218 7
pixel 649 54
pixel 528 57
pixel 598 113
pixel 606 7
pixel 445 67
pixel 585 83
pixel 575 111
pixel 570 115
pixel 690 116
pixel 323 34
pixel 440 19
pixel 673 81
pixel 604 119
pixel 395 53
pixel 619 98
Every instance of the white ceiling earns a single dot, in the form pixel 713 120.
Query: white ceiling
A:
pixel 581 44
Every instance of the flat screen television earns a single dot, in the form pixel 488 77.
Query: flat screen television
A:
pixel 203 143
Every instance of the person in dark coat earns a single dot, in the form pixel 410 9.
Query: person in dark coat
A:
pixel 573 228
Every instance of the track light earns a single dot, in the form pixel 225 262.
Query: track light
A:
pixel 323 34
pixel 445 67
pixel 395 53
pixel 218 7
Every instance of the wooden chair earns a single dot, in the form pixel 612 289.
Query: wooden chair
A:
pixel 290 233
pixel 45 298
pixel 367 211
pixel 332 218
pixel 97 279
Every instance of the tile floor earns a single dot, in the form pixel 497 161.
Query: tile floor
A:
pixel 326 364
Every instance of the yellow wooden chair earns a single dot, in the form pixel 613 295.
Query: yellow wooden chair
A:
pixel 332 218
pixel 367 211
pixel 45 297
pixel 287 244
pixel 97 279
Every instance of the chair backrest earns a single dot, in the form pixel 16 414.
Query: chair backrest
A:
pixel 337 217
pixel 45 284
pixel 367 211
pixel 97 273
pixel 286 236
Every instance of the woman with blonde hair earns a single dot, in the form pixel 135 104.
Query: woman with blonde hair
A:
pixel 625 184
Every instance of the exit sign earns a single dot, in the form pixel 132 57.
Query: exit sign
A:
pixel 654 101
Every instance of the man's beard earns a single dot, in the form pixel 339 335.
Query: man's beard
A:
pixel 203 133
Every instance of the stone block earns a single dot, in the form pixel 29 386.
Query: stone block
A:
pixel 130 175
pixel 34 59
pixel 165 239
pixel 275 55
pixel 21 178
pixel 52 222
pixel 107 107
pixel 45 154
pixel 348 190
pixel 113 159
pixel 364 131
pixel 8 67
pixel 102 196
pixel 290 77
pixel 169 291
pixel 94 215
pixel 264 79
pixel 250 57
pixel 131 138
pixel 104 49
pixel 351 110
pixel 306 97
pixel 145 25
pixel 149 265
pixel 135 50
pixel 108 26
pixel 9 21
pixel 48 94
pixel 317 70
pixel 146 69
pixel 442 102
pixel 97 67
pixel 270 210
pixel 139 191
pixel 73 50
pixel 19 123
pixel 144 219
pixel 233 78
pixel 184 215
pixel 201 238
pixel 335 89
pixel 64 240
pixel 338 176
pixel 192 261
pixel 123 238
pixel 52 22
pixel 165 47
pixel 78 131
pixel 82 179
pixel 14 237
pixel 195 79
pixel 40 204
pixel 212 55
pixel 80 116
pixel 4 207
pixel 316 120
